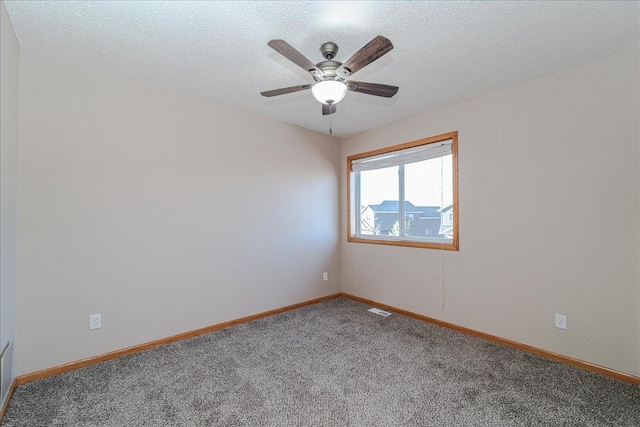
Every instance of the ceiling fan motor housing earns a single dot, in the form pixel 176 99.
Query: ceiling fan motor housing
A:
pixel 329 69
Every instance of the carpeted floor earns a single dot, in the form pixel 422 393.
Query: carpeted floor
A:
pixel 329 364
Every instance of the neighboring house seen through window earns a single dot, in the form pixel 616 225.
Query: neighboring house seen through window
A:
pixel 406 195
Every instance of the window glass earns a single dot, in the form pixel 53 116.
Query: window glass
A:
pixel 378 194
pixel 428 188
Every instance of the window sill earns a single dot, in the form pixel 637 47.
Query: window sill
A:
pixel 448 246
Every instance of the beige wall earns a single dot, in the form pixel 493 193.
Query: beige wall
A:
pixel 549 208
pixel 162 212
pixel 10 56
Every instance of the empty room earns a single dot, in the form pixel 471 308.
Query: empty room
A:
pixel 323 213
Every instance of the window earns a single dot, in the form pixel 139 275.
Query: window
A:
pixel 406 195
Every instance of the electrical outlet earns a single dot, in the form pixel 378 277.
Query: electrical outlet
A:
pixel 561 321
pixel 95 321
pixel 325 276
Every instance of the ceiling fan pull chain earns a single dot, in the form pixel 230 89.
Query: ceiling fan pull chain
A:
pixel 331 125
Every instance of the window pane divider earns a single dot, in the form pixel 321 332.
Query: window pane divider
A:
pixel 401 225
pixel 358 204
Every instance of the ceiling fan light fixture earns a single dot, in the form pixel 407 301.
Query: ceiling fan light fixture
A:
pixel 329 91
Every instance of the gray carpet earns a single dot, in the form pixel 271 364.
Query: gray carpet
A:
pixel 329 364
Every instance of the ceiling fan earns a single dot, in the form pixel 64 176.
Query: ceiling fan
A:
pixel 331 76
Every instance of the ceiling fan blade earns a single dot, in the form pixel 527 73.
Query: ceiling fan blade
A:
pixel 369 53
pixel 328 109
pixel 282 91
pixel 376 89
pixel 289 52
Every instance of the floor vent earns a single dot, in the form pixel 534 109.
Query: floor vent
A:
pixel 379 312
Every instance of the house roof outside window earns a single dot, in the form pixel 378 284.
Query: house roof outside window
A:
pixel 391 206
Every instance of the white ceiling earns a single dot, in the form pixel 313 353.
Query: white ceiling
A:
pixel 444 52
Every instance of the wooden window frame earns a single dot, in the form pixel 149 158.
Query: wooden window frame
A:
pixel 351 216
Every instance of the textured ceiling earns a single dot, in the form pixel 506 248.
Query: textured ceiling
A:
pixel 444 52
